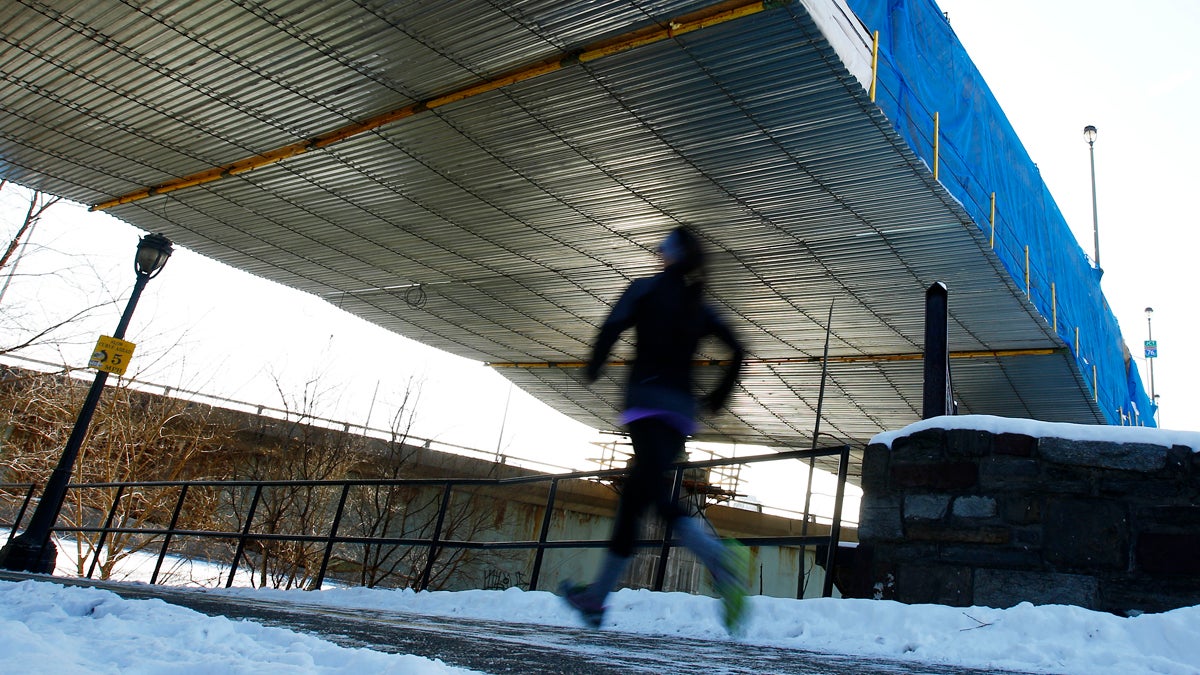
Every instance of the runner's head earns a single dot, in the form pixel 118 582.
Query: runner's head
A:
pixel 682 250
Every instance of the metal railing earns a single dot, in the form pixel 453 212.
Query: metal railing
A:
pixel 436 540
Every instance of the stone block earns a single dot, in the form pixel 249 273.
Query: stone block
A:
pixel 1060 480
pixel 1168 553
pixel 940 476
pixel 1143 457
pixel 979 555
pixel 1018 445
pixel 938 532
pixel 927 445
pixel 968 443
pixel 876 460
pixel 1020 509
pixel 1123 594
pixel 926 507
pixel 973 506
pixel 1086 534
pixel 1168 518
pixel 910 551
pixel 1178 459
pixel 934 584
pixel 1026 538
pixel 1001 474
pixel 879 519
pixel 1140 487
pixel 1005 588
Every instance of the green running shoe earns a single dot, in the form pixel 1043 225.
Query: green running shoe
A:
pixel 732 584
pixel 578 597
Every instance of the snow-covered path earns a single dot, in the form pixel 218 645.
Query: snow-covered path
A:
pixel 498 647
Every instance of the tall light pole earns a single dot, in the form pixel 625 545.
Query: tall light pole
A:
pixel 1151 354
pixel 32 550
pixel 1089 134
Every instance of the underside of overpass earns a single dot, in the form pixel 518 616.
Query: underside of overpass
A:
pixel 486 178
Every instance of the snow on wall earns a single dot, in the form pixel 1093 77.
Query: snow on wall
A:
pixel 1036 429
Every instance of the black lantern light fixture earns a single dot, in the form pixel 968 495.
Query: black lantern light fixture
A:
pixel 32 550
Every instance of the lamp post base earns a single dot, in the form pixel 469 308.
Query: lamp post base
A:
pixel 27 554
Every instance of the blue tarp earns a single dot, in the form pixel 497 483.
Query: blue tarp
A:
pixel 924 69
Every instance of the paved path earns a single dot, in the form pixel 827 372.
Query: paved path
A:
pixel 496 647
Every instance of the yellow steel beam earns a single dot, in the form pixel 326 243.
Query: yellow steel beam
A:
pixel 710 16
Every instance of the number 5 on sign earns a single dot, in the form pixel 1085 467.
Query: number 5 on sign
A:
pixel 111 355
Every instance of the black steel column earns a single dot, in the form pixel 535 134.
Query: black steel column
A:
pixel 938 399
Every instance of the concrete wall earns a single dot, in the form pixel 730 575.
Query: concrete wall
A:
pixel 966 517
pixel 584 510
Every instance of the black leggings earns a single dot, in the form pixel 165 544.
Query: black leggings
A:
pixel 656 444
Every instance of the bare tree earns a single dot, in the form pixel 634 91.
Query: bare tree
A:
pixel 137 436
pixel 292 449
pixel 134 436
pixel 21 327
pixel 38 203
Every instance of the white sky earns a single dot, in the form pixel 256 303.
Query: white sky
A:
pixel 1056 66
pixel 1132 70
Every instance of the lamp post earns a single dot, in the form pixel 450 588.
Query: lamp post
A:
pixel 32 550
pixel 1151 354
pixel 1089 134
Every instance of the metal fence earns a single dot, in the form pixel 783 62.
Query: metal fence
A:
pixel 434 541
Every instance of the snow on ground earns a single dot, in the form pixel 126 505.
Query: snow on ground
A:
pixel 50 628
pixel 1049 639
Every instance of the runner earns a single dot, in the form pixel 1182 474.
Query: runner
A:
pixel 669 316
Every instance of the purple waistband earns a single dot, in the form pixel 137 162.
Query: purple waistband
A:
pixel 684 424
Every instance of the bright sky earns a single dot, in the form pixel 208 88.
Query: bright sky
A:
pixel 1055 67
pixel 1132 71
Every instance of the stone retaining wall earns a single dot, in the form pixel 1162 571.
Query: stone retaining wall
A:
pixel 964 517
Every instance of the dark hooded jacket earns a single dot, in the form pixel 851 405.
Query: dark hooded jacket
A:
pixel 670 318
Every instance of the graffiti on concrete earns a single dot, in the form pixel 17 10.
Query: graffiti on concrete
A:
pixel 498 580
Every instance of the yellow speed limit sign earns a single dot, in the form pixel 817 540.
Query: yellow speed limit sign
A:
pixel 111 355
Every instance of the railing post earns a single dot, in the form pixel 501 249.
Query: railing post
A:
pixel 21 513
pixel 241 547
pixel 112 512
pixel 437 535
pixel 802 580
pixel 661 573
pixel 543 535
pixel 835 528
pixel 937 396
pixel 162 553
pixel 333 529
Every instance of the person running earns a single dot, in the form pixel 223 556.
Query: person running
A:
pixel 669 316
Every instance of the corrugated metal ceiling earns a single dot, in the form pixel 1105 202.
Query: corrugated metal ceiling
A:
pixel 502 226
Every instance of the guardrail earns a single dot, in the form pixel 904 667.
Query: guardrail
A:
pixel 434 541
